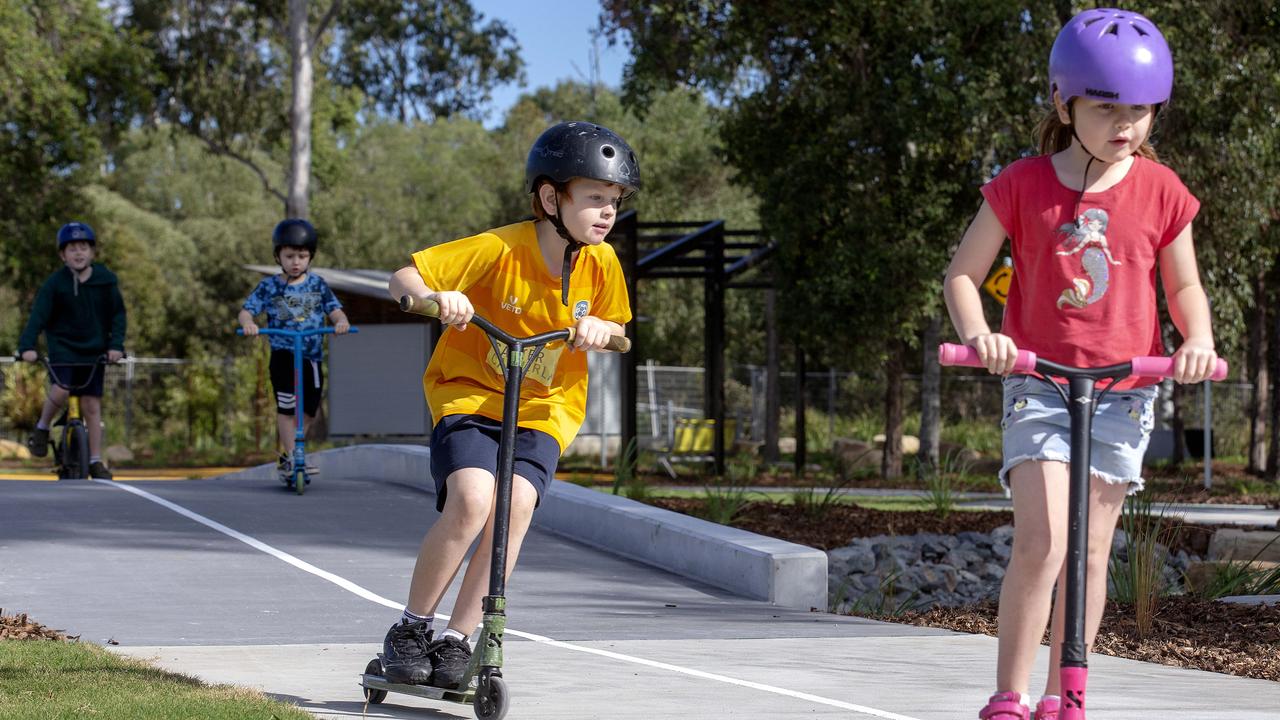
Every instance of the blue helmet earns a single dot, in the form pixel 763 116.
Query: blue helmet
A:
pixel 75 232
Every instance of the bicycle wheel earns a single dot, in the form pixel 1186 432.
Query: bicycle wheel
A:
pixel 76 454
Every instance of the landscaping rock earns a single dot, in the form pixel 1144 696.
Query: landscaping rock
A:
pixel 10 450
pixel 1245 545
pixel 910 443
pixel 118 454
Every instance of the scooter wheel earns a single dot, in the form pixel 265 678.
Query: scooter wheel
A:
pixel 374 696
pixel 493 704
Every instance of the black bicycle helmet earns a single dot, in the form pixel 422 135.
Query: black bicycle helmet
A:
pixel 293 232
pixel 582 149
pixel 579 150
pixel 76 232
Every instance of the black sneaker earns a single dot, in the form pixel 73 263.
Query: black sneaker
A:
pixel 404 653
pixel 449 657
pixel 99 471
pixel 38 442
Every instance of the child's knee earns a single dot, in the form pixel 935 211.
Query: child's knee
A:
pixel 1040 546
pixel 468 503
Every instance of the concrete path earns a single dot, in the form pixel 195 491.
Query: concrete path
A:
pixel 238 581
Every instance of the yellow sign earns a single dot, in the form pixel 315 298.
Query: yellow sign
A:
pixel 998 284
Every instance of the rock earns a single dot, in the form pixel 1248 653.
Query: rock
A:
pixel 10 450
pixel 853 559
pixel 993 571
pixel 786 445
pixel 932 551
pixel 1003 534
pixel 1245 545
pixel 852 455
pixel 118 454
pixel 910 443
pixel 1200 574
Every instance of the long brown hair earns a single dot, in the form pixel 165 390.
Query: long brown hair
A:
pixel 1056 136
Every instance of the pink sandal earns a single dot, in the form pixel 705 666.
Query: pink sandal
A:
pixel 1005 706
pixel 1048 708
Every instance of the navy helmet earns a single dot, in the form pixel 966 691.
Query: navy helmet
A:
pixel 75 232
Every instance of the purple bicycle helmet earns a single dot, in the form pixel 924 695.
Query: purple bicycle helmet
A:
pixel 1115 55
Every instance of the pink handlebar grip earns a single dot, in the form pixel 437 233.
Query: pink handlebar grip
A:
pixel 1162 367
pixel 952 354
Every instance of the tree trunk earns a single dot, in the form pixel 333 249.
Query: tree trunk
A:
pixel 1257 375
pixel 298 204
pixel 930 397
pixel 802 446
pixel 891 463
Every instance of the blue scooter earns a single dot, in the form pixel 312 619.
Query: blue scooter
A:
pixel 298 477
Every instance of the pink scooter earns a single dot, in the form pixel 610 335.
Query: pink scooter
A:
pixel 1081 401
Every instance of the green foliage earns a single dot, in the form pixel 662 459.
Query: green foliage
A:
pixel 1242 578
pixel 1139 581
pixel 725 497
pixel 23 395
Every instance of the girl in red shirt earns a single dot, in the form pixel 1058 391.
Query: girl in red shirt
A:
pixel 1088 220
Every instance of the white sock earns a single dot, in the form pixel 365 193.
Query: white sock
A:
pixel 408 617
pixel 453 634
pixel 1050 697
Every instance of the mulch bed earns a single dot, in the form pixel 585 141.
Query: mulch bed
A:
pixel 18 627
pixel 1242 640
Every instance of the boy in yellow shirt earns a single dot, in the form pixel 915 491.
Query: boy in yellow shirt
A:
pixel 531 277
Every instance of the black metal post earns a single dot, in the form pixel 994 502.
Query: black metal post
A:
pixel 1073 645
pixel 801 403
pixel 714 347
pixel 628 444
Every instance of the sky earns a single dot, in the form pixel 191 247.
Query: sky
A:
pixel 555 42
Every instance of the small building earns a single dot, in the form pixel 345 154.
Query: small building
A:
pixel 374 378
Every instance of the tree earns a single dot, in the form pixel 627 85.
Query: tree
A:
pixel 865 129
pixel 224 71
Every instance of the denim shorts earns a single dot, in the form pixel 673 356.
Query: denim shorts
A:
pixel 1037 426
pixel 471 441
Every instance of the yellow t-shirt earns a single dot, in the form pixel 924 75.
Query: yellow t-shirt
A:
pixel 504 275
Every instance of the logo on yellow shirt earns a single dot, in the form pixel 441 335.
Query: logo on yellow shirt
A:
pixel 512 305
pixel 580 309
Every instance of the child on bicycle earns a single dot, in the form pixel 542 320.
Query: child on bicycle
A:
pixel 295 299
pixel 553 272
pixel 1089 220
pixel 81 313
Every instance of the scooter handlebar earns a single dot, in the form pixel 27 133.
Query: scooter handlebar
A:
pixel 1152 367
pixel 1162 367
pixel 430 308
pixel 963 355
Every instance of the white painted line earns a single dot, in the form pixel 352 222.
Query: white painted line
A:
pixel 376 598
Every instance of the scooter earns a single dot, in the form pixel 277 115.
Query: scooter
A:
pixel 1081 402
pixel 489 696
pixel 299 475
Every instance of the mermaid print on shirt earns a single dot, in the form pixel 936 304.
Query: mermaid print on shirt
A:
pixel 1087 236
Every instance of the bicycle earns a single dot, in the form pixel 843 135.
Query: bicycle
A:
pixel 489 698
pixel 71 449
pixel 298 476
pixel 1073 668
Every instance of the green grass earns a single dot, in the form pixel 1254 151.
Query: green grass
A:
pixel 872 502
pixel 42 679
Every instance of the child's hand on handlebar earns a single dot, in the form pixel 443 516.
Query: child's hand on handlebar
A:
pixel 114 356
pixel 341 328
pixel 592 333
pixel 29 356
pixel 455 308
pixel 250 329
pixel 1194 361
pixel 997 352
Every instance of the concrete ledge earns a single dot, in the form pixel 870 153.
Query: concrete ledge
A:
pixel 747 564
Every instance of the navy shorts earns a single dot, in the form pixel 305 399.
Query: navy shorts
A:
pixel 471 441
pixel 82 380
pixel 282 381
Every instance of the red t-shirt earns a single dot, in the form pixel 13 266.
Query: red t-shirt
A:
pixel 1084 289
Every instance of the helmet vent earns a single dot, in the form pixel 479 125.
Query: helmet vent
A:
pixel 607 151
pixel 1141 30
pixel 1091 21
pixel 1112 29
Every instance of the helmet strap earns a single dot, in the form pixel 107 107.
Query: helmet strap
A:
pixel 572 245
